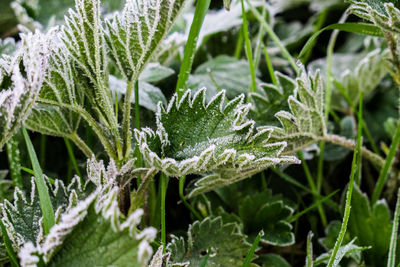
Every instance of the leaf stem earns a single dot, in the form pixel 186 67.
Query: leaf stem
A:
pixel 44 197
pixel 137 125
pixel 164 185
pixel 191 45
pixel 184 201
pixel 81 145
pixel 72 156
pixel 126 118
pixel 14 161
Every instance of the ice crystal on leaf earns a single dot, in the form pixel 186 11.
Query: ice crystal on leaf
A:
pixel 21 78
pixel 384 14
pixel 23 218
pixel 133 35
pixel 195 137
pixel 96 227
pixel 305 123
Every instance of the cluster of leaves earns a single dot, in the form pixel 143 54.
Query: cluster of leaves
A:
pixel 245 133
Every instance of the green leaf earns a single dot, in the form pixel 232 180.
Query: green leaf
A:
pixel 95 227
pixel 383 13
pixel 49 117
pixel 363 224
pixel 222 72
pixel 23 219
pixel 263 211
pixel 209 237
pixel 273 260
pixel 21 78
pixel 193 137
pixel 305 123
pixel 154 72
pixel 133 35
pixel 357 72
pixel 272 99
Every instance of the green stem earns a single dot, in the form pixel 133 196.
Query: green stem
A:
pixel 191 44
pixel 137 125
pixel 126 119
pixel 395 229
pixel 249 52
pixel 313 188
pixel 44 197
pixel 270 67
pixel 309 258
pixel 184 201
pixel 81 145
pixel 72 156
pixel 14 161
pixel 387 166
pixel 356 162
pixel 274 37
pixel 239 45
pixel 163 187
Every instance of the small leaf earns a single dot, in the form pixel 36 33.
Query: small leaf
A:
pixel 209 237
pixel 305 124
pixel 265 212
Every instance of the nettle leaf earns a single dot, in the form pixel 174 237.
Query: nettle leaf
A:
pixel 272 99
pixel 97 228
pixel 20 81
pixel 305 124
pixel 263 211
pixel 49 117
pixel 383 13
pixel 23 218
pixel 222 72
pixel 193 137
pixel 357 73
pixel 363 224
pixel 210 237
pixel 133 35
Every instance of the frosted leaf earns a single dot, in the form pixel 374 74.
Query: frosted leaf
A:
pixel 305 123
pixel 95 226
pixel 160 259
pixel 23 218
pixel 193 137
pixel 210 237
pixel 49 116
pixel 133 35
pixel 384 14
pixel 20 81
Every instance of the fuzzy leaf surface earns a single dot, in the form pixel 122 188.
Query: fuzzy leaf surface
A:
pixel 23 218
pixel 209 237
pixel 305 122
pixel 133 35
pixel 96 227
pixel 21 78
pixel 193 137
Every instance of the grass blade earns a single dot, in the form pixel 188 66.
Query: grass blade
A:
pixel 7 244
pixel 360 28
pixel 253 248
pixel 44 197
pixel 395 230
pixel 191 45
pixel 388 164
pixel 355 164
pixel 309 258
pixel 163 189
pixel 72 156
